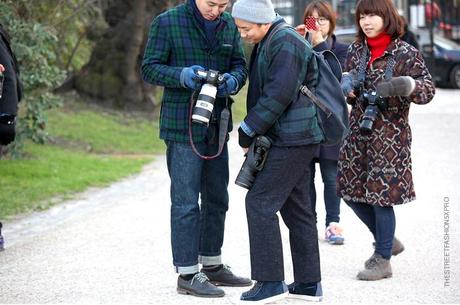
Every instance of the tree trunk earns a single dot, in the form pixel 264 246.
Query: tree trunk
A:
pixel 112 76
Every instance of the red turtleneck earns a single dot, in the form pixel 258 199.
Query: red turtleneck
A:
pixel 378 45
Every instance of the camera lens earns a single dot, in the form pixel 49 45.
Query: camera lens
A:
pixel 368 119
pixel 204 105
pixel 246 176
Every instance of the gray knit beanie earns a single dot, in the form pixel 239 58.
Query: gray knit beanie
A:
pixel 254 11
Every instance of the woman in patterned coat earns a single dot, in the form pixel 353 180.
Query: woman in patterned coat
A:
pixel 374 170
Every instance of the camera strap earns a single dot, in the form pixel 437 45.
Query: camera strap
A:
pixel 223 130
pixel 364 59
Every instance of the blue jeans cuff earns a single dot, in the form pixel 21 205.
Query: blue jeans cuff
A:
pixel 187 269
pixel 210 260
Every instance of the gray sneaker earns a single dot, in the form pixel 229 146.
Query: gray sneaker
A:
pixel 379 268
pixel 199 286
pixel 397 248
pixel 225 277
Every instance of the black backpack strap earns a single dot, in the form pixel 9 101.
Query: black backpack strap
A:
pixel 333 63
pixel 305 91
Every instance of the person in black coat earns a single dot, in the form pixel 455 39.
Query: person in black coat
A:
pixel 10 95
pixel 11 92
pixel 409 36
pixel 323 38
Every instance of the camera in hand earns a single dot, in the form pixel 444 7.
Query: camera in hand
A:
pixel 375 103
pixel 254 162
pixel 205 103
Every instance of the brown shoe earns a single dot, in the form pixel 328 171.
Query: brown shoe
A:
pixel 397 248
pixel 379 268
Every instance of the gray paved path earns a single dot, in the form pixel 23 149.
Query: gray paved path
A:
pixel 112 245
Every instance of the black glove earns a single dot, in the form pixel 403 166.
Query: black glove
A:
pixel 243 139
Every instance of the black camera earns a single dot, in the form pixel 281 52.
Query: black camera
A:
pixel 374 103
pixel 254 162
pixel 205 103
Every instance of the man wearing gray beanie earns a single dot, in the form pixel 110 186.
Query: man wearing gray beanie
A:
pixel 277 110
pixel 255 11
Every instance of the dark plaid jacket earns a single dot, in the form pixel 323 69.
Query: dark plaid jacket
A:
pixel 276 107
pixel 175 41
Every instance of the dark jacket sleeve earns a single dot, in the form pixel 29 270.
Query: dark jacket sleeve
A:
pixel 155 69
pixel 9 99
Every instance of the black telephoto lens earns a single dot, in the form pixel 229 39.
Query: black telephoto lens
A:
pixel 369 116
pixel 254 162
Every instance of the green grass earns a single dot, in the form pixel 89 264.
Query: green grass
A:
pixel 239 107
pixel 89 147
pixel 29 184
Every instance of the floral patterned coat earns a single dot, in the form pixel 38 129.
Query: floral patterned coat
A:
pixel 377 169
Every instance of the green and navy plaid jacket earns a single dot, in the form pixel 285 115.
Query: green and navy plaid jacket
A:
pixel 175 41
pixel 276 108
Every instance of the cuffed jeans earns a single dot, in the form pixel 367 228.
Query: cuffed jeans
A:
pixel 332 201
pixel 283 186
pixel 197 230
pixel 381 221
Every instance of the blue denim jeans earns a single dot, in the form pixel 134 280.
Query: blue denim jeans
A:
pixel 332 201
pixel 381 221
pixel 197 229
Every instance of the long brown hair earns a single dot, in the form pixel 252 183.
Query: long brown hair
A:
pixel 392 22
pixel 324 9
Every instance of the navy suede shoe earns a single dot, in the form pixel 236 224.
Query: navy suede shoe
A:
pixel 265 292
pixel 307 292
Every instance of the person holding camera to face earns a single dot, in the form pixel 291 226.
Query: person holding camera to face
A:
pixel 384 76
pixel 279 113
pixel 321 35
pixel 186 46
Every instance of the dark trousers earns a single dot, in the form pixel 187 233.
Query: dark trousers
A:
pixel 381 221
pixel 283 185
pixel 331 200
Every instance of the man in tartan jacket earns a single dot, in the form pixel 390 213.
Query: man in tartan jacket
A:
pixel 279 64
pixel 196 35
